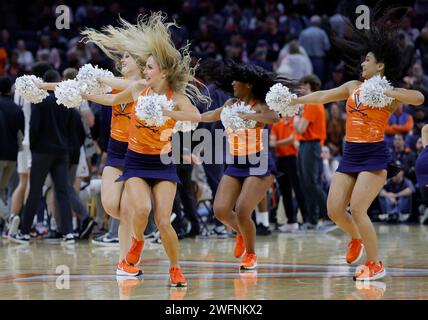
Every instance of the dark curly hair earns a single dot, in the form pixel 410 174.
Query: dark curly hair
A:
pixel 223 74
pixel 381 40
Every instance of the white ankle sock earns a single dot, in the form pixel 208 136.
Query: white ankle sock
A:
pixel 263 218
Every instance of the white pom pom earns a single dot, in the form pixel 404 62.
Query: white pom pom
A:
pixel 184 126
pixel 88 75
pixel 372 92
pixel 279 99
pixel 232 121
pixel 25 86
pixel 149 109
pixel 68 93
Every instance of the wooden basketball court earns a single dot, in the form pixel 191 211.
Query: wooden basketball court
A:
pixel 308 266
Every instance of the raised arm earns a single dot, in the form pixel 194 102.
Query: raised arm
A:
pixel 186 110
pixel 327 96
pixel 116 83
pixel 406 96
pixel 129 95
pixel 211 116
pixel 214 115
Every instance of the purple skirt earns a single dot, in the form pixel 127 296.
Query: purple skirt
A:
pixel 421 167
pixel 243 167
pixel 116 151
pixel 148 167
pixel 367 156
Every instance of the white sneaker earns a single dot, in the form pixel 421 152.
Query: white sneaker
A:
pixel 424 217
pixel 403 217
pixel 289 227
pixel 14 225
pixel 69 238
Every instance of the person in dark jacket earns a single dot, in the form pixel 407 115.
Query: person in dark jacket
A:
pixel 49 129
pixel 11 128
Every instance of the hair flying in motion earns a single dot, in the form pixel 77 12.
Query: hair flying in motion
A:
pixel 223 74
pixel 381 39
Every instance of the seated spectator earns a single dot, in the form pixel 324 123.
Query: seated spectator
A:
pixel 405 156
pixel 330 165
pixel 337 77
pixel 396 198
pixel 399 122
pixel 417 80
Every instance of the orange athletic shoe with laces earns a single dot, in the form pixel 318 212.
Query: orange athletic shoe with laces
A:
pixel 355 251
pixel 124 269
pixel 370 271
pixel 239 246
pixel 134 253
pixel 176 278
pixel 249 262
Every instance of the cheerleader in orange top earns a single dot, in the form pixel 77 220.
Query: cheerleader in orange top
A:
pixel 113 199
pixel 363 170
pixel 241 190
pixel 167 72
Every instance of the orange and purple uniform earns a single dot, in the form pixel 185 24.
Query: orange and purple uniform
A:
pixel 119 133
pixel 245 143
pixel 146 145
pixel 120 120
pixel 364 124
pixel 147 139
pixel 365 148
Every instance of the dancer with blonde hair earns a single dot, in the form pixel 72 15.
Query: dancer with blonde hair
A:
pixel 167 73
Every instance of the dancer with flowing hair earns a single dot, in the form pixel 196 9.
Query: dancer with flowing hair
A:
pixel 364 168
pixel 110 41
pixel 167 72
pixel 241 189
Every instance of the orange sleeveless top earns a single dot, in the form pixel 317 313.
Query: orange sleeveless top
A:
pixel 120 120
pixel 364 124
pixel 245 142
pixel 146 139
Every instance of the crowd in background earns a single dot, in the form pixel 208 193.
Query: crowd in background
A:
pixel 292 38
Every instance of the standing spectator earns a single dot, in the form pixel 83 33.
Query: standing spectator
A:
pixel 49 128
pixel 48 54
pixel 282 138
pixel 312 130
pixel 399 122
pixel 25 57
pixel 396 198
pixel 295 65
pixel 316 43
pixel 336 125
pixel 23 163
pixel 11 129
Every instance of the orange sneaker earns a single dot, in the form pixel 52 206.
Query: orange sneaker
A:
pixel 134 253
pixel 239 246
pixel 176 278
pixel 355 251
pixel 125 269
pixel 249 262
pixel 370 271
